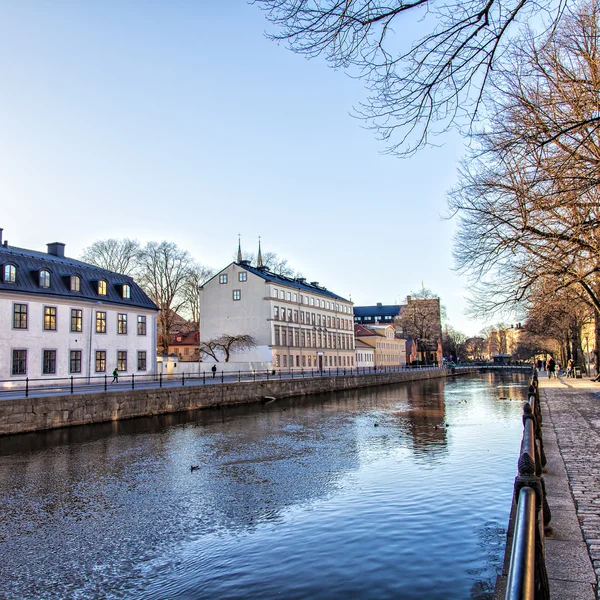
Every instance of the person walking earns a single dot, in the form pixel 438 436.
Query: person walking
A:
pixel 571 368
pixel 551 367
pixel 214 370
pixel 115 375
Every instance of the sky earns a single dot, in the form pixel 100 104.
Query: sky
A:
pixel 180 121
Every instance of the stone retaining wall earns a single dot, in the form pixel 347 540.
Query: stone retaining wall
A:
pixel 35 414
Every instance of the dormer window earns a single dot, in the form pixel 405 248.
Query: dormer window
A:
pixel 10 274
pixel 102 288
pixel 75 283
pixel 44 279
pixel 126 290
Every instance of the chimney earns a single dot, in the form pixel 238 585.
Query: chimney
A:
pixel 379 305
pixel 315 283
pixel 301 279
pixel 56 249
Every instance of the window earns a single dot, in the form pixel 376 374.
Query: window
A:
pixel 19 362
pixel 141 360
pixel 281 294
pixel 284 360
pixel 100 322
pixel 45 279
pixel 75 283
pixel 102 288
pixel 141 323
pixel 283 313
pixel 121 360
pixel 290 315
pixel 126 290
pixel 289 296
pixel 237 294
pixel 100 361
pixel 20 316
pixel 277 360
pixel 276 313
pixel 75 361
pixel 301 316
pixel 49 318
pixel 242 276
pixel 223 278
pixel 295 316
pixel 10 274
pixel 277 339
pixel 76 319
pixel 312 301
pixel 275 293
pixel 49 365
pixel 122 324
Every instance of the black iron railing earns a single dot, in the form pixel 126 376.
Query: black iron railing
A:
pixel 527 575
pixel 77 384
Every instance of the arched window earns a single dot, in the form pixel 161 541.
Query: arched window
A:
pixel 75 283
pixel 44 278
pixel 102 288
pixel 126 290
pixel 10 273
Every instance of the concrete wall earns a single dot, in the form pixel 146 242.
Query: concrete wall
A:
pixel 34 414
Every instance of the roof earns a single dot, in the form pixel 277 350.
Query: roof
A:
pixel 380 310
pixel 183 339
pixel 29 263
pixel 292 282
pixel 360 344
pixel 360 331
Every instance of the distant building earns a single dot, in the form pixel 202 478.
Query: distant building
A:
pixel 365 355
pixel 378 314
pixel 60 317
pixel 185 346
pixel 389 350
pixel 296 324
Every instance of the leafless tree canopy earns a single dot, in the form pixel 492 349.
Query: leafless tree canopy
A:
pixel 225 345
pixel 418 86
pixel 528 198
pixel 118 255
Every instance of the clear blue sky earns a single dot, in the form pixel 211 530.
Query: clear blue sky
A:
pixel 179 120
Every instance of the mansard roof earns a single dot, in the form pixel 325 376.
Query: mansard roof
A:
pixel 380 310
pixel 29 263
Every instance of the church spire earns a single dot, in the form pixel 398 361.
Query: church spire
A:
pixel 259 262
pixel 239 256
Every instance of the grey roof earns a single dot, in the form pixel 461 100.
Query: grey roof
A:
pixel 377 311
pixel 29 263
pixel 282 280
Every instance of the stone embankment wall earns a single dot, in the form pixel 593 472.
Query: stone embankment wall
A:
pixel 35 414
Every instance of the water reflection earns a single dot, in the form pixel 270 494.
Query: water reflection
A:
pixel 324 497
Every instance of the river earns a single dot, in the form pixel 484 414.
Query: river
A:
pixel 397 491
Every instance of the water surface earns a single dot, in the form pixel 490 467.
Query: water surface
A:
pixel 390 492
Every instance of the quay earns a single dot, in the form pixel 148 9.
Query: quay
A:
pixel 571 433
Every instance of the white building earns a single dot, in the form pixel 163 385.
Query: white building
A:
pixel 296 325
pixel 365 355
pixel 60 317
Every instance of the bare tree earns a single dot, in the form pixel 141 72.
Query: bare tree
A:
pixel 196 275
pixel 453 342
pixel 419 88
pixel 118 255
pixel 420 320
pixel 225 345
pixel 528 199
pixel 162 274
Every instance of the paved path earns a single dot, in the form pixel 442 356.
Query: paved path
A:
pixel 571 413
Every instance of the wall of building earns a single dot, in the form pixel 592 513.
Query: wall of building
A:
pixel 34 414
pixel 35 339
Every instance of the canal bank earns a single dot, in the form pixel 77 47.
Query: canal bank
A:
pixel 37 414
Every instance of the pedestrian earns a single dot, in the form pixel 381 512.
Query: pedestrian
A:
pixel 115 375
pixel 214 370
pixel 551 367
pixel 558 368
pixel 571 368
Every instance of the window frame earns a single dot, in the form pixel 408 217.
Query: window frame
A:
pixel 77 319
pixel 121 360
pixel 236 295
pixel 14 326
pixel 126 291
pixel 102 359
pixel 141 355
pixel 100 320
pixel 13 269
pixel 12 362
pixel 243 276
pixel 52 319
pixel 52 359
pixel 77 286
pixel 121 323
pixel 223 278
pixel 71 359
pixel 141 320
pixel 102 287
pixel 44 276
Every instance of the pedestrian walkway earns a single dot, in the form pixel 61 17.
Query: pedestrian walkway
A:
pixel 571 414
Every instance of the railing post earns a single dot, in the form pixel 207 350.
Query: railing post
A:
pixel 105 381
pixel 203 377
pixel 160 379
pixel 222 376
pixel 26 387
pixel 183 379
pixel 133 381
pixel 71 384
pixel 239 375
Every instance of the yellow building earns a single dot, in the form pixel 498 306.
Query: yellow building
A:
pixel 389 350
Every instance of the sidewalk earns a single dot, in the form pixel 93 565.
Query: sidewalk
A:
pixel 571 429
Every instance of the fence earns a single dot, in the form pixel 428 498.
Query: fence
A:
pixel 77 384
pixel 527 575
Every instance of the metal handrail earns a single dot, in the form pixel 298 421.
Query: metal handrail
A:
pixel 73 384
pixel 527 575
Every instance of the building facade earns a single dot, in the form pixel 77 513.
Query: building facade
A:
pixel 365 355
pixel 388 348
pixel 60 317
pixel 295 324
